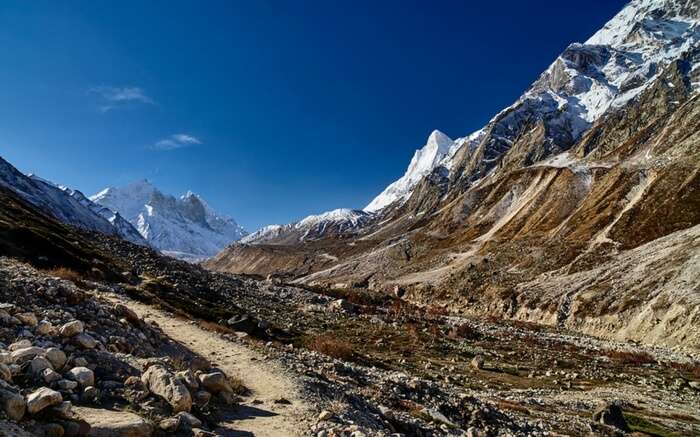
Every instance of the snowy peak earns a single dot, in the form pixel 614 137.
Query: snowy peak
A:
pixel 611 68
pixel 186 227
pixel 649 20
pixel 338 222
pixel 423 162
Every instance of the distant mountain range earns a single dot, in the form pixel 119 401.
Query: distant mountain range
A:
pixel 185 227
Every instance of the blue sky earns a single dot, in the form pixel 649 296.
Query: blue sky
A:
pixel 270 110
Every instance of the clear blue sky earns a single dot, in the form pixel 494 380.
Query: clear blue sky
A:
pixel 270 110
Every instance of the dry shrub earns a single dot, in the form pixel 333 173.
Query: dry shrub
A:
pixel 215 327
pixel 631 358
pixel 464 331
pixel 65 273
pixel 436 311
pixel 690 368
pixel 330 346
pixel 237 385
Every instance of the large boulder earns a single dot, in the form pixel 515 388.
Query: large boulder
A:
pixel 106 423
pixel 160 381
pixel 42 398
pixel 82 375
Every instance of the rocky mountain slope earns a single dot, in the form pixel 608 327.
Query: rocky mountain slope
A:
pixel 184 227
pixel 67 205
pixel 594 167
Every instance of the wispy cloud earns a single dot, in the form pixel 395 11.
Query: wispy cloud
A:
pixel 176 141
pixel 116 97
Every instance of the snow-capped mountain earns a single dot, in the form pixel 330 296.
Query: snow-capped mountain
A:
pixel 184 227
pixel 66 205
pixel 423 162
pixel 337 222
pixel 612 67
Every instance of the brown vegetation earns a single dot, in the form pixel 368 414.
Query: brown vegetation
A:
pixel 331 346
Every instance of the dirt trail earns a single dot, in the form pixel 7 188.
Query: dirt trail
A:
pixel 267 381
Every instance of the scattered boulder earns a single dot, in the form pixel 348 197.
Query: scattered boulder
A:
pixel 160 381
pixel 24 355
pixel 71 328
pixel 215 382
pixel 28 319
pixel 39 364
pixel 82 375
pixel 611 414
pixel 44 328
pixel 56 356
pixel 5 373
pixel 127 313
pixel 42 398
pixel 105 423
pixel 85 341
pixel 477 362
pixel 12 403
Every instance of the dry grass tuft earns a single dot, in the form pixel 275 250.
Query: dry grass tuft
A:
pixel 65 273
pixel 331 346
pixel 464 331
pixel 631 358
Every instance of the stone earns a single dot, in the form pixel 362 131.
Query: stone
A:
pixel 52 430
pixel 163 383
pixel 473 432
pixel 127 313
pixel 38 365
pixel 325 415
pixel 90 393
pixel 44 328
pixel 171 424
pixel 611 414
pixel 20 345
pixel 5 373
pixel 28 319
pixel 215 382
pixel 71 328
pixel 66 384
pixel 56 356
pixel 80 362
pixel 64 410
pixel 24 355
pixel 82 375
pixel 201 397
pixel 399 291
pixel 188 420
pixel 42 398
pixel 189 379
pixel 477 362
pixel 12 403
pixel 50 376
pixel 85 341
pixel 106 423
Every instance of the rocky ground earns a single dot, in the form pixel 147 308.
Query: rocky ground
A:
pixel 175 349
